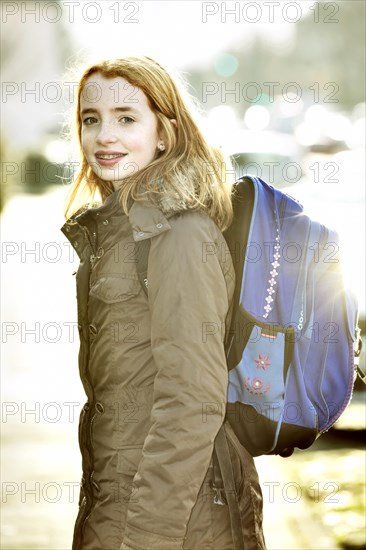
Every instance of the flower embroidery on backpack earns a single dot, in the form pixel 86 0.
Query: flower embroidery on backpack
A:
pixel 262 362
pixel 272 281
pixel 256 385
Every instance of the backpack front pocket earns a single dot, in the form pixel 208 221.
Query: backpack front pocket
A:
pixel 256 390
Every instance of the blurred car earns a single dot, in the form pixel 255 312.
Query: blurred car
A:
pixel 274 156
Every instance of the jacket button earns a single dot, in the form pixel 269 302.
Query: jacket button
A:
pixel 76 244
pixel 93 330
pixel 100 252
pixel 105 222
pixel 140 233
pixel 99 407
pixel 86 407
pixel 159 225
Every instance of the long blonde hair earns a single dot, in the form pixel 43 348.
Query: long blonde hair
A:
pixel 189 171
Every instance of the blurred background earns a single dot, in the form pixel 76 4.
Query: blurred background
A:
pixel 282 91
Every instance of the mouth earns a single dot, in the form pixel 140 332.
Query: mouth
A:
pixel 107 159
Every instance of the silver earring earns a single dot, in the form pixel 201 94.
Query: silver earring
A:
pixel 161 147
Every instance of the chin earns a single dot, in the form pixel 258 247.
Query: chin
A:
pixel 108 175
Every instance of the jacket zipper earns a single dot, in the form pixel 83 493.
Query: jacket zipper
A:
pixel 92 240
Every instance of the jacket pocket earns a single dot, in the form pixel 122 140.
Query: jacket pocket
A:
pixel 128 459
pixel 115 288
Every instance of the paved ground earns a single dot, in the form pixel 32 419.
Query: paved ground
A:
pixel 313 500
pixel 304 501
pixel 316 499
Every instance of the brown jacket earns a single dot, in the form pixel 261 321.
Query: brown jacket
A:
pixel 154 372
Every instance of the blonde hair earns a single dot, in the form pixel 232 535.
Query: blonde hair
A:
pixel 188 172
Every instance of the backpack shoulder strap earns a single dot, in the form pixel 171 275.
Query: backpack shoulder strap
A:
pixel 226 483
pixel 236 236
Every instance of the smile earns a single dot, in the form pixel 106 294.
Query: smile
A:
pixel 111 156
pixel 109 159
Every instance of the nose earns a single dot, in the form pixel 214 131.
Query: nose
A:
pixel 106 133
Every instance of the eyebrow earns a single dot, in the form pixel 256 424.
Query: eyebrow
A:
pixel 116 110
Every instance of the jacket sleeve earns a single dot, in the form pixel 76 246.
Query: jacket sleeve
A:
pixel 188 300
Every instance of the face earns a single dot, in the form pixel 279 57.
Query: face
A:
pixel 119 133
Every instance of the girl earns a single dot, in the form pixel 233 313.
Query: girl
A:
pixel 152 359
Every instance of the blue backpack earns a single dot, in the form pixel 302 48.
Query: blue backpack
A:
pixel 291 345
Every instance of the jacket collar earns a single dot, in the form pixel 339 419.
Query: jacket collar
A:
pixel 146 219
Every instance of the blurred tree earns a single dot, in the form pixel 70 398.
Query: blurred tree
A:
pixel 326 59
pixel 34 52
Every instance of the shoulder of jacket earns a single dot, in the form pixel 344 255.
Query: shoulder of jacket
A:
pixel 193 220
pixel 148 220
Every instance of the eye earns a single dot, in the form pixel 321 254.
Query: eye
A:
pixel 126 120
pixel 89 120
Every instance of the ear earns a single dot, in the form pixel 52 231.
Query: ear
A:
pixel 174 123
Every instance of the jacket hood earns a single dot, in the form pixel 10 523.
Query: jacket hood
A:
pixel 168 203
